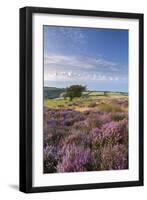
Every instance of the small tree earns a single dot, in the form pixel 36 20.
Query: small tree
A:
pixel 74 91
pixel 105 93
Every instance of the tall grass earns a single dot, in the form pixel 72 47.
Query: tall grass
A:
pixel 110 108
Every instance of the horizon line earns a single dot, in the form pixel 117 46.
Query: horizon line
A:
pixel 89 89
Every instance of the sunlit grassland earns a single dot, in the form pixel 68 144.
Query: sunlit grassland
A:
pixel 90 100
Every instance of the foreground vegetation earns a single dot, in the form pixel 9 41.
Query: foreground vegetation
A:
pixel 89 133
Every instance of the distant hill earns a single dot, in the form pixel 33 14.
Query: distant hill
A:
pixel 52 92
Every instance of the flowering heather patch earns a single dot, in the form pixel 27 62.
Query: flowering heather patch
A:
pixel 50 157
pixel 74 159
pixel 91 140
pixel 114 157
pixel 123 101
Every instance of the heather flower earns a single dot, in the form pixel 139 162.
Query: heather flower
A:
pixel 113 132
pixel 96 138
pixel 74 159
pixel 119 116
pixel 92 122
pixel 114 157
pixel 85 141
pixel 52 123
pixel 95 133
pixel 50 159
pixel 123 102
pixel 96 119
pixel 96 159
pixel 105 118
pixel 78 137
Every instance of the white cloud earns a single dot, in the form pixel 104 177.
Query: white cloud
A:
pixel 106 63
pixel 72 76
pixel 65 67
pixel 83 62
pixel 69 61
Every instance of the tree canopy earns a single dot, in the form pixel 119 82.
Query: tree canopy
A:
pixel 74 91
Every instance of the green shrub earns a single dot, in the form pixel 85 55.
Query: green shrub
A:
pixel 110 108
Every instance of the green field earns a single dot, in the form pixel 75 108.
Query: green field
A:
pixel 88 100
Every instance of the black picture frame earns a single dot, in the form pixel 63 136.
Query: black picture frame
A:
pixel 26 103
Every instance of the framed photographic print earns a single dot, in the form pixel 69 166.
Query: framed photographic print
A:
pixel 81 99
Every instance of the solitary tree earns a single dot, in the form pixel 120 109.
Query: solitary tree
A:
pixel 105 93
pixel 74 91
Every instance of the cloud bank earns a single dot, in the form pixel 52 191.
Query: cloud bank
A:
pixel 63 67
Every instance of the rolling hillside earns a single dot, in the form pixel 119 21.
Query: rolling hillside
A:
pixel 52 92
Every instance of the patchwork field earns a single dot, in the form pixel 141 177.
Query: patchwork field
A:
pixel 89 133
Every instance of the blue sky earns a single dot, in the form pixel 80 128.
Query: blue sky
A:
pixel 94 57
